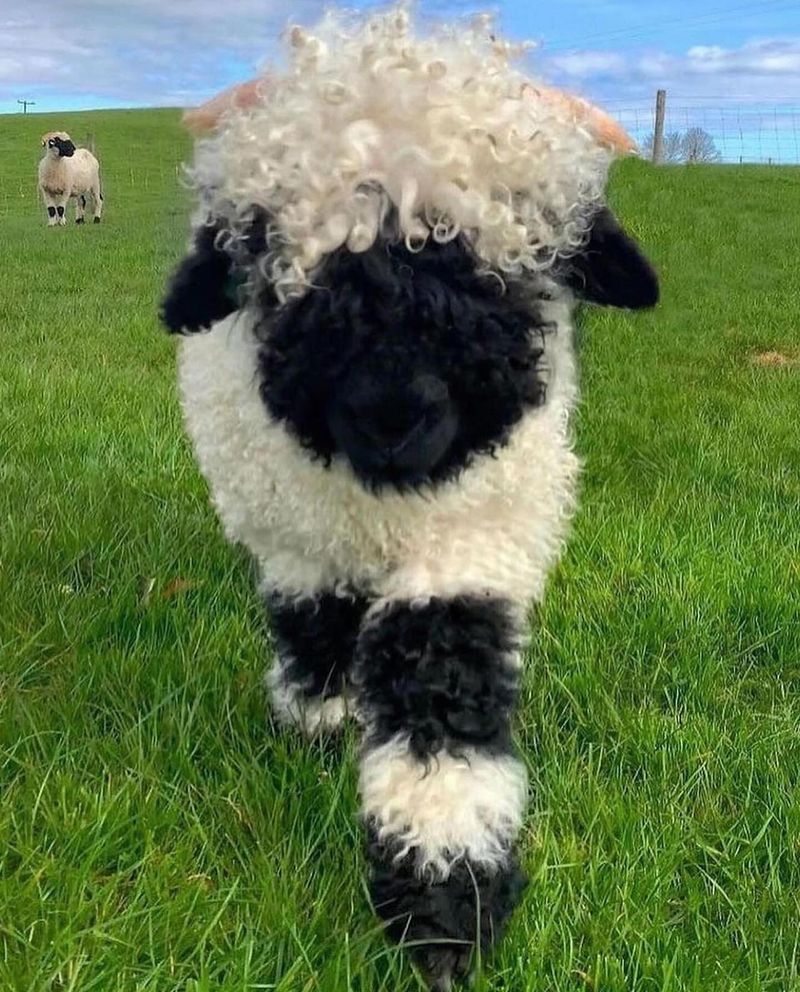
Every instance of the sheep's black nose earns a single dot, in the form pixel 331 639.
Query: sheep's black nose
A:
pixel 402 430
pixel 391 419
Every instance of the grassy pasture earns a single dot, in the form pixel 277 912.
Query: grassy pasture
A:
pixel 156 833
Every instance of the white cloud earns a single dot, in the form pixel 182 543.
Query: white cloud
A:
pixel 149 52
pixel 178 52
pixel 766 69
pixel 583 65
pixel 139 51
pixel 770 57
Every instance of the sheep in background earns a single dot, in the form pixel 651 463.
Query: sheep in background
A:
pixel 67 171
pixel 390 243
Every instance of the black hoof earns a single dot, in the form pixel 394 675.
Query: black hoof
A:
pixel 444 965
pixel 79 220
pixel 97 220
pixel 442 922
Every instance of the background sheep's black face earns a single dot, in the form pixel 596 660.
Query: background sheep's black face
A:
pixel 405 364
pixel 60 147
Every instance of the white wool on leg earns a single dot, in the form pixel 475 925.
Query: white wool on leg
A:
pixel 465 805
pixel 293 707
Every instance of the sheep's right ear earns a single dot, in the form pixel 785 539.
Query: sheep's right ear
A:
pixel 611 270
pixel 203 288
pixel 197 293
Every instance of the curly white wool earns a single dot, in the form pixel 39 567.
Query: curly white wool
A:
pixel 371 115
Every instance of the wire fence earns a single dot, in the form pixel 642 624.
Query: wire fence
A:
pixel 767 134
pixel 748 133
pixel 131 183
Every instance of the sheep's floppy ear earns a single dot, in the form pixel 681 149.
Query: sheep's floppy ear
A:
pixel 196 296
pixel 203 289
pixel 611 269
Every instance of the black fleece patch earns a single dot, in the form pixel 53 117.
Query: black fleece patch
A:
pixel 440 673
pixel 343 365
pixel 316 640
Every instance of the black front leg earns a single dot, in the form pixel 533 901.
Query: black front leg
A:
pixel 442 790
pixel 315 637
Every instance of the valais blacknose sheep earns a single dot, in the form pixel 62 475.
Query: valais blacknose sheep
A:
pixel 67 171
pixel 391 239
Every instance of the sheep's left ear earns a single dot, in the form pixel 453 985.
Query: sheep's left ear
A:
pixel 611 269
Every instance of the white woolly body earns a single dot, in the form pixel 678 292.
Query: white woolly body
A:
pixel 80 173
pixel 496 529
pixel 65 177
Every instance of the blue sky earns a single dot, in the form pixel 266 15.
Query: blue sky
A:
pixel 714 57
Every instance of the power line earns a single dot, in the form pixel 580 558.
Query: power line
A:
pixel 785 104
pixel 710 17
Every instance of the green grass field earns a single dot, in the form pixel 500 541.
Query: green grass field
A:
pixel 157 833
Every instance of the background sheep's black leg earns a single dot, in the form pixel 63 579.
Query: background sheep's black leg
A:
pixel 315 639
pixel 56 204
pixel 442 789
pixel 97 201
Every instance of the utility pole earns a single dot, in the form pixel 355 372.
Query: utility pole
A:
pixel 658 134
pixel 26 104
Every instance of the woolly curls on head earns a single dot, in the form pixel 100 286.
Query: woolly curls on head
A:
pixel 440 131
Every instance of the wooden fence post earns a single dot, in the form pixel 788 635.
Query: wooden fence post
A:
pixel 658 133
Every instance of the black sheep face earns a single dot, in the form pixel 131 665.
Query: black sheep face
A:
pixel 60 147
pixel 405 364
